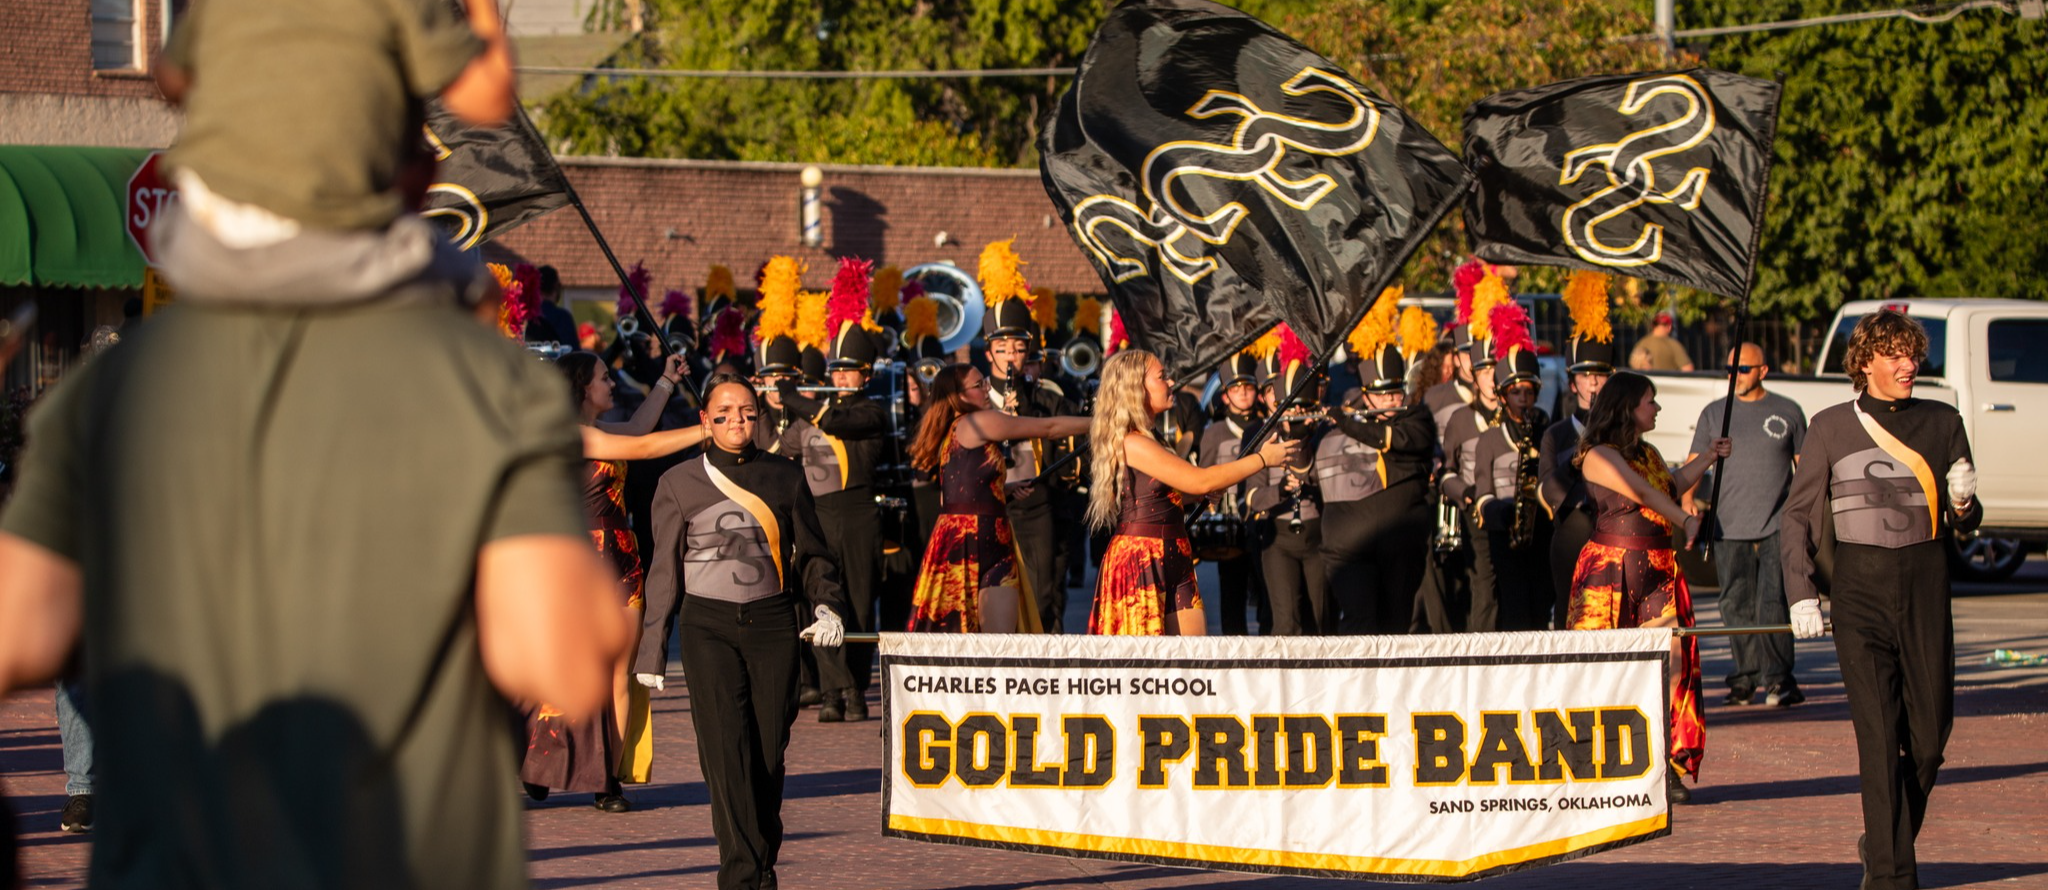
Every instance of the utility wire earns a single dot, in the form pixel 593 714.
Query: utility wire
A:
pixel 1932 14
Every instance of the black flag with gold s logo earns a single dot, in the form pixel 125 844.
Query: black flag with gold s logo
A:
pixel 1223 178
pixel 490 179
pixel 1659 176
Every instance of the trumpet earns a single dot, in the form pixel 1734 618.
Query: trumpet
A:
pixel 927 369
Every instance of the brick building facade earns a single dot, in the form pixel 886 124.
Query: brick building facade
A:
pixel 681 217
pixel 76 72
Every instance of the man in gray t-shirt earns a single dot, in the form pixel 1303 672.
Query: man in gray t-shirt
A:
pixel 1768 430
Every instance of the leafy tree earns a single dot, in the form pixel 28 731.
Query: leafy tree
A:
pixel 1437 57
pixel 1909 155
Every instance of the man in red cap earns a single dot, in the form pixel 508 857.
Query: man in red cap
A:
pixel 1658 351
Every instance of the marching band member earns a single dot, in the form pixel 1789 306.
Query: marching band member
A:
pixel 1237 578
pixel 972 580
pixel 1628 575
pixel 839 439
pixel 736 545
pixel 1147 582
pixel 1374 478
pixel 1562 488
pixel 1883 481
pixel 1284 496
pixel 1473 569
pixel 781 356
pixel 1013 341
pixel 1507 514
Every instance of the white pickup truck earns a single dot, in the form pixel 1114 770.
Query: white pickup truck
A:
pixel 1987 357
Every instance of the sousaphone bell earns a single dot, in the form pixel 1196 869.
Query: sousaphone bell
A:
pixel 959 299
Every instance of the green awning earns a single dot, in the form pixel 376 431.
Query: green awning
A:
pixel 61 216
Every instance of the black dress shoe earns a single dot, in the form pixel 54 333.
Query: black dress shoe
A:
pixel 612 802
pixel 832 711
pixel 537 792
pixel 77 815
pixel 856 706
pixel 1740 695
pixel 1674 788
pixel 809 697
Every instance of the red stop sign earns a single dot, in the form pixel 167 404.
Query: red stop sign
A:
pixel 149 197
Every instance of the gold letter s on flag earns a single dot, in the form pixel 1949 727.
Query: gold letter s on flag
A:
pixel 1632 177
pixel 1258 146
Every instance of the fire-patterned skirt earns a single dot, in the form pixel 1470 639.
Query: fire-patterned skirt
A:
pixel 580 755
pixel 968 553
pixel 1144 580
pixel 1616 587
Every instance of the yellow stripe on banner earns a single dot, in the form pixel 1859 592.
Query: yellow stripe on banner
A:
pixel 1378 865
pixel 1913 461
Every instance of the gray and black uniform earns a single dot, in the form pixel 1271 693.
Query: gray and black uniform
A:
pixel 1238 579
pixel 840 442
pixel 1470 570
pixel 736 548
pixel 1871 487
pixel 1518 595
pixel 1373 473
pixel 1562 485
pixel 1030 502
pixel 1291 525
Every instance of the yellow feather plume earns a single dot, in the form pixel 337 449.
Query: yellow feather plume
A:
pixel 1585 296
pixel 1045 308
pixel 1490 292
pixel 920 319
pixel 1267 344
pixel 1088 316
pixel 719 284
pixel 1418 332
pixel 778 299
pixel 1001 273
pixel 810 319
pixel 886 291
pixel 1376 329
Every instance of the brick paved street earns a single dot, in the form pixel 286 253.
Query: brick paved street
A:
pixel 1778 807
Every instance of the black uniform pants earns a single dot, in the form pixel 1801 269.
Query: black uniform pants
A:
pixel 1295 577
pixel 1896 643
pixel 1568 536
pixel 1373 552
pixel 1038 542
pixel 1518 587
pixel 1235 578
pixel 853 533
pixel 740 665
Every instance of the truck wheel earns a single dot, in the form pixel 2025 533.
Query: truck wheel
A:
pixel 1985 560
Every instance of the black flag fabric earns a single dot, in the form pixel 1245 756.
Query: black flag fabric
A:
pixel 1222 178
pixel 490 179
pixel 1659 176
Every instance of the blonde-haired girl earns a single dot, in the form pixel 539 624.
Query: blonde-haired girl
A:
pixel 1147 582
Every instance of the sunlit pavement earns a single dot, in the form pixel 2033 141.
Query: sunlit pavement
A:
pixel 1777 807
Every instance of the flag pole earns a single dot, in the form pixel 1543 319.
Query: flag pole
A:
pixel 1756 234
pixel 576 201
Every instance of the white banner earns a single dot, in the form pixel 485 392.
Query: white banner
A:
pixel 1419 758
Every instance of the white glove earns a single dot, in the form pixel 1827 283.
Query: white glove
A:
pixel 828 632
pixel 651 681
pixel 1806 620
pixel 1962 482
